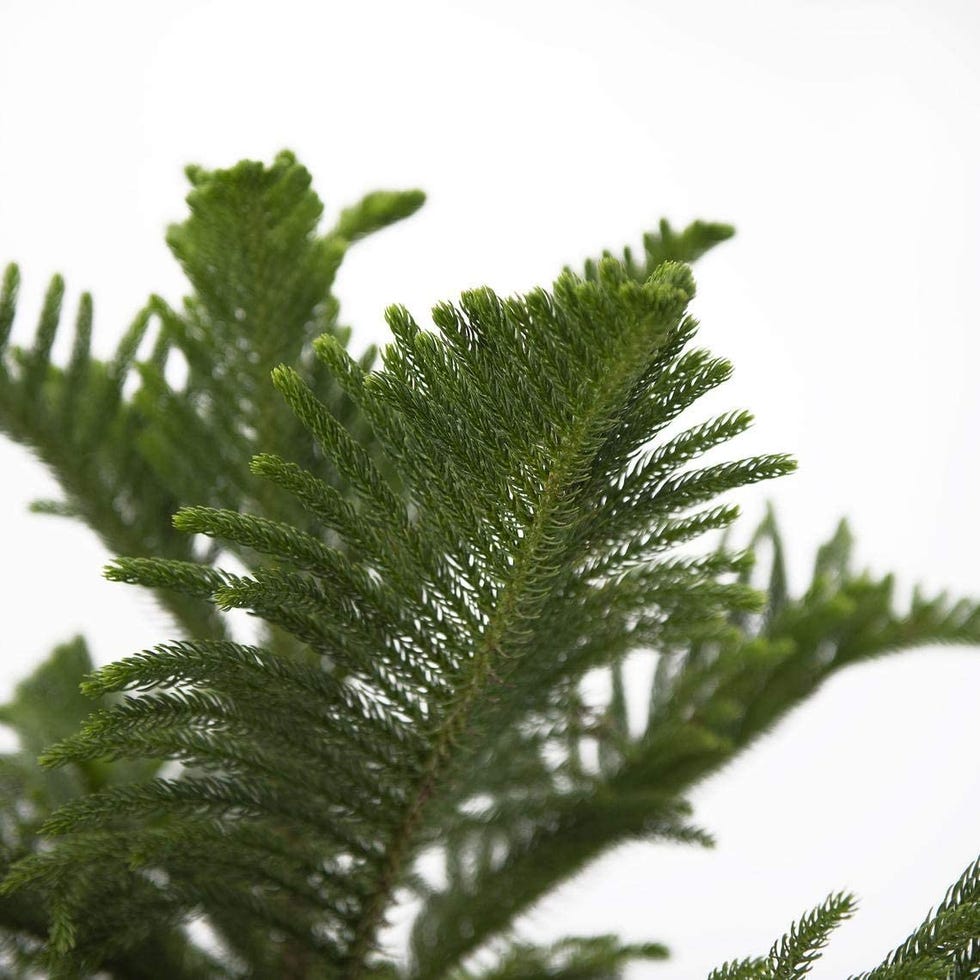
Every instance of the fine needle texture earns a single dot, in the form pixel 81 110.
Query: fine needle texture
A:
pixel 440 546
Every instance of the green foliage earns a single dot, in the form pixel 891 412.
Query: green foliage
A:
pixel 440 550
pixel 261 279
pixel 48 706
pixel 947 944
pixel 945 947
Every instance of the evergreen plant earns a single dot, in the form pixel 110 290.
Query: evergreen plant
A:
pixel 441 549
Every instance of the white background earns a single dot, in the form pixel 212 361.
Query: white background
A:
pixel 841 138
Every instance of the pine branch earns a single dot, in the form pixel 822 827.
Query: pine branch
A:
pixel 544 846
pixel 534 570
pixel 126 462
pixel 48 706
pixel 944 947
pixel 711 700
pixel 751 968
pixel 947 944
pixel 792 956
pixel 77 422
pixel 742 687
pixel 440 604
pixel 667 245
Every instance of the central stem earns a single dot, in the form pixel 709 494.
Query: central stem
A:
pixel 454 724
pixel 626 363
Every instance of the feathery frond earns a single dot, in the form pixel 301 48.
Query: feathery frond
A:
pixel 486 579
pixel 947 944
pixel 792 956
pixel 440 550
pixel 261 281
